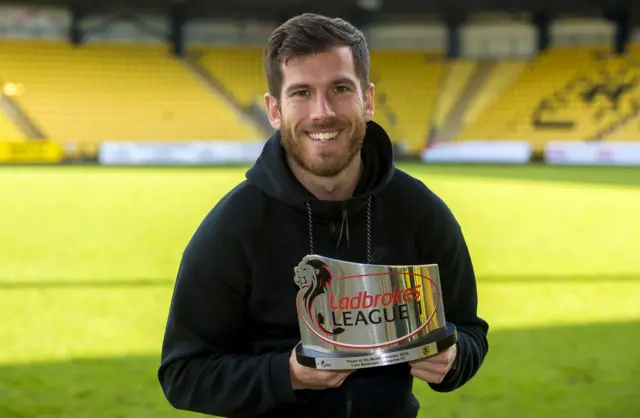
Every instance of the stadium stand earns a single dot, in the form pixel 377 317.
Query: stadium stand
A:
pixel 113 91
pixel 407 94
pixel 566 93
pixel 510 116
pixel 117 92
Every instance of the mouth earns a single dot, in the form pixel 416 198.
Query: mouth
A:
pixel 323 137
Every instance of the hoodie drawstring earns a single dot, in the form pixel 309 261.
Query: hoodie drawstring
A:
pixel 344 227
pixel 345 222
pixel 310 217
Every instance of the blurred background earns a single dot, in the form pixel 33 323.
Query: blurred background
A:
pixel 123 122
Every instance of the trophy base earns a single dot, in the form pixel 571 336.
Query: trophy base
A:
pixel 435 342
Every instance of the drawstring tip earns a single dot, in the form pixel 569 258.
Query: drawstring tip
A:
pixel 310 216
pixel 344 227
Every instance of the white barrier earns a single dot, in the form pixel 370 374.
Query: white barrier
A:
pixel 593 153
pixel 178 153
pixel 477 151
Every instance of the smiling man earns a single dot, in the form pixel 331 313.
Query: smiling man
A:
pixel 325 184
pixel 321 107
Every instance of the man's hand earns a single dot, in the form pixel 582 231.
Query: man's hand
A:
pixel 303 377
pixel 434 369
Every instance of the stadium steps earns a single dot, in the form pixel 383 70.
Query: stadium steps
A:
pixel 455 79
pixel 253 114
pixel 503 73
pixel 8 130
pixel 453 123
pixel 238 73
pixel 15 123
pixel 240 69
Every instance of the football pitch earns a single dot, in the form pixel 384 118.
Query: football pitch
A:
pixel 88 257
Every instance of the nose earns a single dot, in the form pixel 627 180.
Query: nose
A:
pixel 322 108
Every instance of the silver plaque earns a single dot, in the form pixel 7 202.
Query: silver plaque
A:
pixel 355 315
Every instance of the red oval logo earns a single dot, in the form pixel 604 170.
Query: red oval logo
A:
pixel 378 303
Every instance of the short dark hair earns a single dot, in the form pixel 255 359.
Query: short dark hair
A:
pixel 311 33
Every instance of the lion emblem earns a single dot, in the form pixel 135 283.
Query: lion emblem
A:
pixel 315 277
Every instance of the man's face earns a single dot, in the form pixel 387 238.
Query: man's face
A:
pixel 323 112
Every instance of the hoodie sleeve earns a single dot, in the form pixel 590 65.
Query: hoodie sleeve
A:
pixel 199 370
pixel 460 300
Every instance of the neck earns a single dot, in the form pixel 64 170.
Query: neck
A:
pixel 340 187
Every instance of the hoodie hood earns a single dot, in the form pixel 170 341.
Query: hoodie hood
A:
pixel 271 173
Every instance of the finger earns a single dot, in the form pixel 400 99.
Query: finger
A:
pixel 428 376
pixel 427 364
pixel 431 360
pixel 332 376
pixel 339 372
pixel 336 381
pixel 431 367
pixel 341 377
pixel 442 357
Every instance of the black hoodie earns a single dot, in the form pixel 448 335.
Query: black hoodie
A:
pixel 232 322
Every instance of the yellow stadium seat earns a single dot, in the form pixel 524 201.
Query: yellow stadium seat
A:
pixel 99 92
pixel 629 131
pixel 239 69
pixel 407 94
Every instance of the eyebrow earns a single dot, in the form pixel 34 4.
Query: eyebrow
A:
pixel 301 86
pixel 344 81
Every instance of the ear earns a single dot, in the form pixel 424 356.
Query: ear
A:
pixel 273 112
pixel 369 104
pixel 316 271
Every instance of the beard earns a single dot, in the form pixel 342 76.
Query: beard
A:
pixel 324 163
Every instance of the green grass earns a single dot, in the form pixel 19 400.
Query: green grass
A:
pixel 88 257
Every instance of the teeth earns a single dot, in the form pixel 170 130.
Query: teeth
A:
pixel 323 136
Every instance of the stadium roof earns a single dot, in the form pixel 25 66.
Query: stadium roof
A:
pixel 373 9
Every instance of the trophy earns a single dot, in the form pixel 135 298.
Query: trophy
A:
pixel 355 315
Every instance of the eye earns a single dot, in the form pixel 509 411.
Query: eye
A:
pixel 342 89
pixel 301 93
